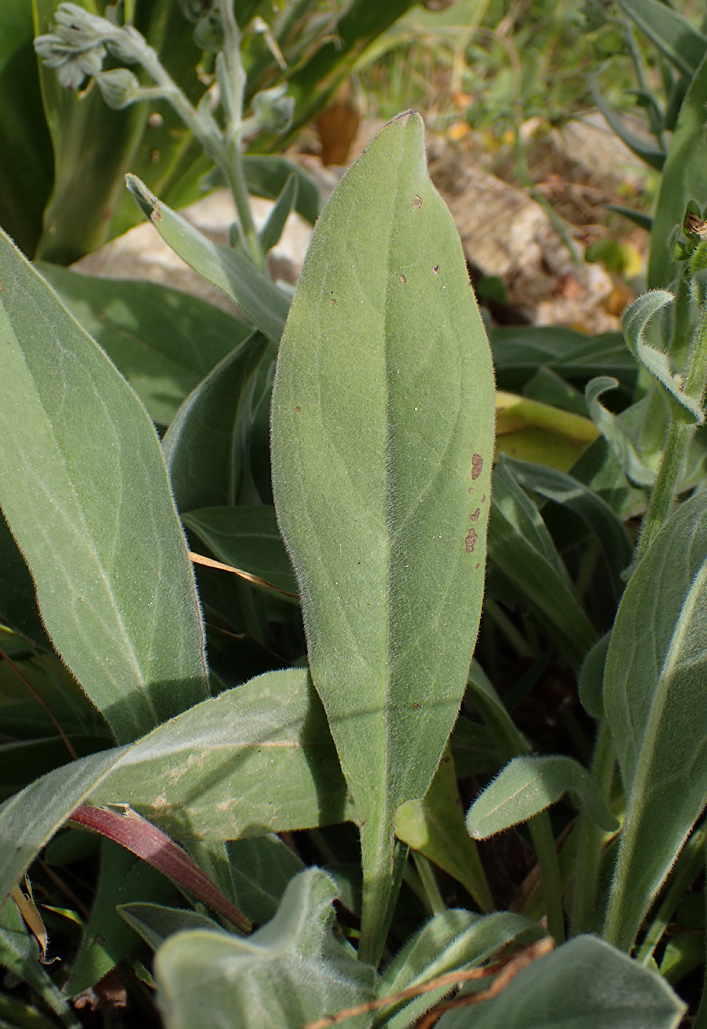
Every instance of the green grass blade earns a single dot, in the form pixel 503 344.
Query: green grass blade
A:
pixel 382 427
pixel 84 490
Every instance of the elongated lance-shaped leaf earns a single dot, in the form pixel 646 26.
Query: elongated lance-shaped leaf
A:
pixel 228 269
pixel 254 760
pixel 382 427
pixel 529 785
pixel 85 493
pixel 654 700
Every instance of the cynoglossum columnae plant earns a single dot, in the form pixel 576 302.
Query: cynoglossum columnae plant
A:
pixel 381 420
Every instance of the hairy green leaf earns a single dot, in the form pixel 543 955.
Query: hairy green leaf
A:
pixel 654 703
pixel 313 973
pixel 207 446
pixel 529 785
pixel 228 269
pixel 84 490
pixel 255 760
pixel 382 427
pixel 164 342
pixel 584 983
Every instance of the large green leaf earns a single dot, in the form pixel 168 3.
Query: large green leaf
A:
pixel 84 490
pixel 288 973
pixel 255 760
pixel 684 177
pixel 435 827
pixel 585 984
pixel 163 341
pixel 654 703
pixel 382 428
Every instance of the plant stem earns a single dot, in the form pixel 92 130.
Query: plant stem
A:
pixel 383 869
pixel 506 626
pixel 544 844
pixel 666 484
pixel 231 79
pixel 433 896
pixel 591 839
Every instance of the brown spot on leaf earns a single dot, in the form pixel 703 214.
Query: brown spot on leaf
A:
pixel 475 516
pixel 470 541
pixel 402 279
pixel 297 407
pixel 415 706
pixel 416 202
pixel 477 465
pixel 155 214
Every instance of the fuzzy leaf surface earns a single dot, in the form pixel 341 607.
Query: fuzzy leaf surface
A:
pixel 254 760
pixel 288 973
pixel 585 984
pixel 382 425
pixel 654 704
pixel 84 490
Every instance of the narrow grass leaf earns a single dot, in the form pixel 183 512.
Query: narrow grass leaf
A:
pixel 271 231
pixel 529 785
pixel 84 490
pixel 670 31
pixel 18 954
pixel 522 550
pixel 382 426
pixel 572 495
pixel 654 703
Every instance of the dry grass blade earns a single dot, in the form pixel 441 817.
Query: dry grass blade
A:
pixel 208 562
